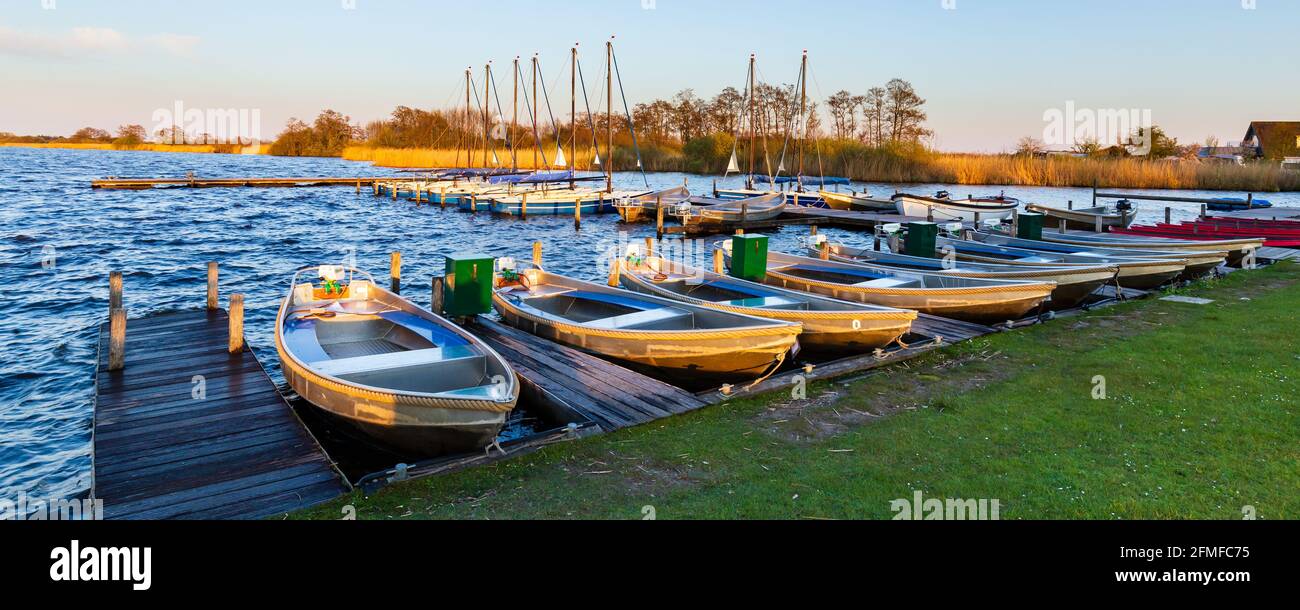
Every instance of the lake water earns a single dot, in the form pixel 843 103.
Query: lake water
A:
pixel 59 240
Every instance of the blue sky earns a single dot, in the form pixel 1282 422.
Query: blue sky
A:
pixel 989 68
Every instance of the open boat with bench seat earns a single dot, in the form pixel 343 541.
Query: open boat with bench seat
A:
pixel 1073 284
pixel 961 298
pixel 1135 273
pixel 399 374
pixel 645 207
pixel 1196 263
pixel 762 207
pixel 1233 250
pixel 668 339
pixel 829 325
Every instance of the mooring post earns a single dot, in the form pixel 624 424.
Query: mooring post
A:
pixel 442 197
pixel 1062 229
pixel 537 253
pixel 236 323
pixel 116 323
pixel 577 213
pixel 1169 215
pixel 744 213
pixel 649 246
pixel 1098 228
pixel 824 251
pixel 212 286
pixel 1015 222
pixel 523 206
pixel 358 187
pixel 977 220
pixel 659 218
pixel 1202 210
pixel 473 203
pixel 374 186
pixel 719 267
pixel 813 230
pixel 116 339
pixel 715 188
pixel 876 244
pixel 1069 205
pixel 1250 200
pixel 435 298
pixel 395 189
pixel 929 213
pixel 615 270
pixel 395 272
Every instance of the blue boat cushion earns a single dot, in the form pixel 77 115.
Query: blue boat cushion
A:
pixel 614 299
pixel 434 332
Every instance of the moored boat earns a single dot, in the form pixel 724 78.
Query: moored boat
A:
pixel 1073 284
pixel 1118 216
pixel 1136 273
pixel 399 374
pixel 1197 263
pixel 645 207
pixel 1234 250
pixel 943 208
pixel 669 339
pixel 829 325
pixel 763 207
pixel 856 202
pixel 970 299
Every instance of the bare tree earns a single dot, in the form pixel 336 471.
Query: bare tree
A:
pixel 903 110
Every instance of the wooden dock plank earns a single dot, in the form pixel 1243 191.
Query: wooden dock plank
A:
pixel 610 395
pixel 160 453
pixel 148 183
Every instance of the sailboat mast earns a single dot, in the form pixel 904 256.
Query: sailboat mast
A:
pixel 514 120
pixel 469 141
pixel 753 123
pixel 573 112
pixel 609 118
pixel 536 135
pixel 803 108
pixel 487 113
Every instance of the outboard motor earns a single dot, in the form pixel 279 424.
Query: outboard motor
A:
pixel 942 195
pixel 1124 205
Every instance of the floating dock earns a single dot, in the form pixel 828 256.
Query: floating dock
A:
pixel 163 449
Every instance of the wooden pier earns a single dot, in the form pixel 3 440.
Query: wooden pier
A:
pixel 600 391
pixel 138 184
pixel 187 430
pixel 799 216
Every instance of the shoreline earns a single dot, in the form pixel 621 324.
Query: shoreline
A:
pixel 963 169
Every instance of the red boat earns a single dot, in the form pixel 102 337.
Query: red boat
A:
pixel 1186 233
pixel 1251 222
pixel 1213 229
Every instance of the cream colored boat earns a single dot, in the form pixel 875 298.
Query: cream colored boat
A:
pixel 970 299
pixel 406 377
pixel 829 325
pixel 676 341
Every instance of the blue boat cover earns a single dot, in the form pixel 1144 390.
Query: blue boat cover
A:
pixel 531 178
pixel 823 181
pixel 614 299
pixel 858 272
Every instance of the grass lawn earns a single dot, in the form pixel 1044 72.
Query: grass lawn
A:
pixel 1200 419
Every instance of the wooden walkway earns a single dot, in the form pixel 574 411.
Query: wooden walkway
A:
pixel 149 183
pixel 603 392
pixel 801 215
pixel 160 453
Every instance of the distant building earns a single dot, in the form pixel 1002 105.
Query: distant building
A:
pixel 1276 140
pixel 1223 154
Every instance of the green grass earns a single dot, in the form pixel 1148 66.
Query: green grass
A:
pixel 1200 420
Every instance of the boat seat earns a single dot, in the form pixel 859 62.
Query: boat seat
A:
pixel 395 360
pixel 772 302
pixel 884 282
pixel 650 319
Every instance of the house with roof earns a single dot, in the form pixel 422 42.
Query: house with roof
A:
pixel 1274 140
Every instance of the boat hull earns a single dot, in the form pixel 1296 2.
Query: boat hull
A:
pixel 1083 219
pixel 823 331
pixel 951 210
pixel 689 358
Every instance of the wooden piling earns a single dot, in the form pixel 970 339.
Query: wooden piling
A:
pixel 1069 205
pixel 114 290
pixel 537 253
pixel 395 272
pixel 1169 215
pixel 615 271
pixel 116 339
pixel 358 187
pixel 812 230
pixel 442 197
pixel 523 206
pixel 1015 222
pixel 435 296
pixel 212 287
pixel 719 267
pixel 659 218
pixel 824 251
pixel 1098 226
pixel 577 213
pixel 649 246
pixel 236 323
pixel 1062 227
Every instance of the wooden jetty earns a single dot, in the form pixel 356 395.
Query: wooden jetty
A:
pixel 193 182
pixel 800 216
pixel 558 376
pixel 187 425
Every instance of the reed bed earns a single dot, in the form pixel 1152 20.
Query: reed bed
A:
pixel 906 165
